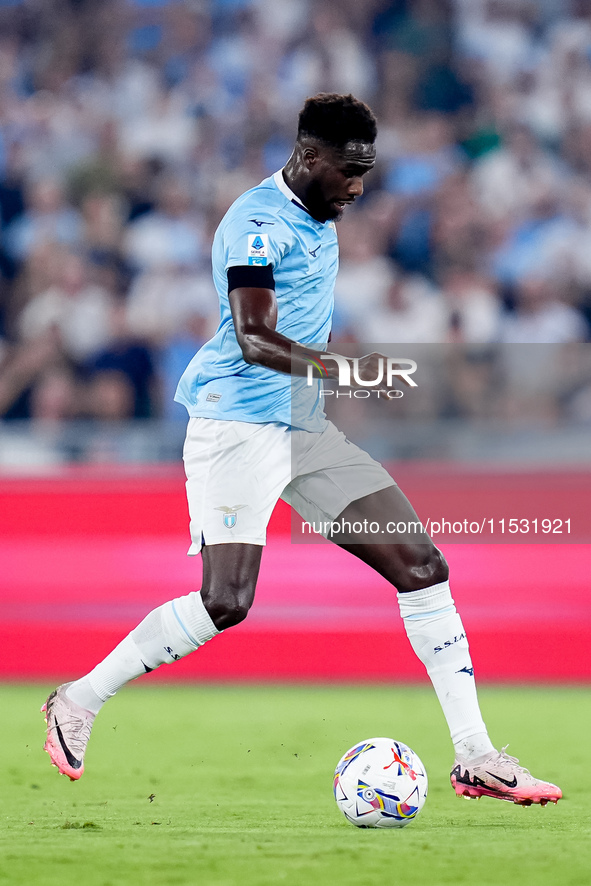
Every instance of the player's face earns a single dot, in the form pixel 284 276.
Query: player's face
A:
pixel 337 179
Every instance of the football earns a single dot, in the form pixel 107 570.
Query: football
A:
pixel 380 783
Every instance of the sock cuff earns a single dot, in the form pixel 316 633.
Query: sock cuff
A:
pixel 435 600
pixel 194 618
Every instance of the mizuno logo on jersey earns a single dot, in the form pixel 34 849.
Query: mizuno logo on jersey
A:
pixel 314 251
pixel 258 223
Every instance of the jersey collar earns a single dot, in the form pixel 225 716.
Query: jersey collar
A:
pixel 286 190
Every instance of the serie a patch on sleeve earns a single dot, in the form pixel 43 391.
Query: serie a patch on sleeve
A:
pixel 258 249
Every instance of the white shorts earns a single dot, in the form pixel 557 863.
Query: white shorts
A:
pixel 236 472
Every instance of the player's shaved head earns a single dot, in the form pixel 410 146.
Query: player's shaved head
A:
pixel 337 120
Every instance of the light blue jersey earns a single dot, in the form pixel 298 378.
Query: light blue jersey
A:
pixel 267 226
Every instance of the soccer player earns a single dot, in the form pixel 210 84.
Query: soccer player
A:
pixel 275 258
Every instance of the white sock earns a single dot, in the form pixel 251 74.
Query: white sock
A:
pixel 437 636
pixel 166 634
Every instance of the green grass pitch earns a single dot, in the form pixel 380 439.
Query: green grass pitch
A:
pixel 233 785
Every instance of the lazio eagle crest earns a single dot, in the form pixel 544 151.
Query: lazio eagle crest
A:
pixel 230 515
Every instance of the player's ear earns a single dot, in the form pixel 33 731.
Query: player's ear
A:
pixel 310 156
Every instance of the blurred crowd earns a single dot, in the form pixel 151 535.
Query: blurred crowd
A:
pixel 127 127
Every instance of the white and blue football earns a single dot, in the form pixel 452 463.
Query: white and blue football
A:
pixel 380 783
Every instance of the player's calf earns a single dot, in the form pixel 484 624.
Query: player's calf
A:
pixel 420 566
pixel 228 603
pixel 227 608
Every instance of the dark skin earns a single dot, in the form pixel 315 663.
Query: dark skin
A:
pixel 325 180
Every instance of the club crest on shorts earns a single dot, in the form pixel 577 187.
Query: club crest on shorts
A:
pixel 230 515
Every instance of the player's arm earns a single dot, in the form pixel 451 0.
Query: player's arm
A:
pixel 254 312
pixel 251 292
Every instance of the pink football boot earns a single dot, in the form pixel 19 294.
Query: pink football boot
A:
pixel 68 731
pixel 499 775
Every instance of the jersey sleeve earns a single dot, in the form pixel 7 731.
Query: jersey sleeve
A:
pixel 256 239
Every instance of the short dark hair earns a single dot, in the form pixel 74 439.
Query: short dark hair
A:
pixel 337 119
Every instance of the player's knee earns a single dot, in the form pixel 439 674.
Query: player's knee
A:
pixel 228 607
pixel 424 566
